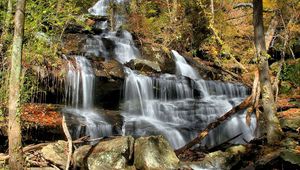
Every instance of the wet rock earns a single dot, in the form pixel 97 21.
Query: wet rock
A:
pixel 154 152
pixel 291 155
pixel 219 160
pixel 56 152
pixel 90 22
pixel 144 65
pixel 109 69
pixel 290 119
pixel 73 43
pixel 110 154
pixel 113 69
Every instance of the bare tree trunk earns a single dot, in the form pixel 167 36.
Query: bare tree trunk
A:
pixel 271 31
pixel 70 144
pixel 134 6
pixel 273 129
pixel 59 6
pixel 175 10
pixel 112 15
pixel 6 26
pixel 212 11
pixel 9 13
pixel 14 125
pixel 283 52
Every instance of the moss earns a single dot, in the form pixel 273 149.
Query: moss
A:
pixel 291 72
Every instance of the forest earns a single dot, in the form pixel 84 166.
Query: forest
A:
pixel 149 84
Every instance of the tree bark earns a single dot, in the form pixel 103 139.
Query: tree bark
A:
pixel 271 31
pixel 212 10
pixel 9 13
pixel 6 26
pixel 69 138
pixel 175 10
pixel 14 125
pixel 113 15
pixel 273 129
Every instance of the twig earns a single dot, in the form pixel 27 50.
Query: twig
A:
pixel 33 147
pixel 86 140
pixel 69 138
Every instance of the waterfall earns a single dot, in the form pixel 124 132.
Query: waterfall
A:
pixel 118 45
pixel 79 99
pixel 176 106
pixel 179 106
pixel 183 68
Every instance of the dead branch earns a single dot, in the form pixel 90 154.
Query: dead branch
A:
pixel 282 60
pixel 254 94
pixel 271 31
pixel 78 141
pixel 223 144
pixel 35 147
pixel 243 5
pixel 69 138
pixel 246 103
pixel 3 157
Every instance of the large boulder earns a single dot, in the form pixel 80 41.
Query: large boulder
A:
pixel 153 153
pixel 56 152
pixel 73 43
pixel 144 66
pixel 110 154
pixel 107 69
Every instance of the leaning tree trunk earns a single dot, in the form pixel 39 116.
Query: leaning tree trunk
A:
pixel 14 125
pixel 273 128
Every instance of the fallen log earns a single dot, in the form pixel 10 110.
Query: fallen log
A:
pixel 246 103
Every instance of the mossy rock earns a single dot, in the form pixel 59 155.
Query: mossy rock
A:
pixel 154 153
pixel 110 154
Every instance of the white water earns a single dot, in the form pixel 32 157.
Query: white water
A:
pixel 101 9
pixel 179 107
pixel 112 45
pixel 183 68
pixel 79 99
pixel 118 45
pixel 176 106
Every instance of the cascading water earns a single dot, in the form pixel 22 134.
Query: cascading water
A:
pixel 180 106
pixel 176 106
pixel 111 44
pixel 79 98
pixel 183 68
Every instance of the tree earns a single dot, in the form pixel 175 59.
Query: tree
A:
pixel 14 125
pixel 6 24
pixel 273 129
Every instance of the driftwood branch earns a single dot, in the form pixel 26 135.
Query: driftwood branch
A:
pixel 214 124
pixel 69 138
